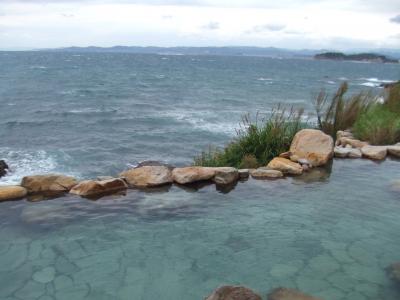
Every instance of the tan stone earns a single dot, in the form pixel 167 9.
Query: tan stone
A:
pixel 287 155
pixel 148 176
pixel 344 141
pixel 192 174
pixel 344 134
pixel 355 153
pixel 233 293
pixel 313 145
pixel 264 173
pixel 286 166
pixel 48 183
pixel 89 188
pixel 394 150
pixel 12 192
pixel 289 294
pixel 225 175
pixel 374 152
pixel 243 173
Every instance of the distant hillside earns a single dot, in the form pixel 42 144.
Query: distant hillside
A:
pixel 366 57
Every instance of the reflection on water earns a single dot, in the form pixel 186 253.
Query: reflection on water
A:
pixel 331 236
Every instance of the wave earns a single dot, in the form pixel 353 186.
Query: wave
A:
pixel 24 162
pixel 264 79
pixel 377 80
pixel 370 84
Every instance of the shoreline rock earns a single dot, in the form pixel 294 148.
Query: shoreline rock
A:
pixel 225 176
pixel 3 168
pixel 285 165
pixel 229 292
pixel 147 176
pixel 91 188
pixel 50 183
pixel 264 173
pixel 192 174
pixel 12 192
pixel 289 294
pixel 374 152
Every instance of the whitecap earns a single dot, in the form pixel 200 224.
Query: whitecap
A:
pixel 369 84
pixel 38 67
pixel 377 80
pixel 343 78
pixel 264 79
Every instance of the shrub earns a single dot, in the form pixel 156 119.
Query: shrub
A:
pixel 378 125
pixel 256 142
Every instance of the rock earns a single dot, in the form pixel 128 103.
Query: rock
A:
pixel 192 174
pixel 287 154
pixel 374 152
pixel 89 188
pixel 48 183
pixel 355 153
pixel 3 168
pixel 289 294
pixel 285 166
pixel 148 176
pixel 344 141
pixel 294 158
pixel 393 271
pixel 313 145
pixel 225 175
pixel 264 173
pixel 341 152
pixel 233 293
pixel 394 150
pixel 343 134
pixel 12 192
pixel 104 177
pixel 154 163
pixel 243 173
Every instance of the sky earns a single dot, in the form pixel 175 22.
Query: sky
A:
pixel 301 24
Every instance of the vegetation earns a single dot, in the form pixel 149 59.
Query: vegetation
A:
pixel 256 142
pixel 370 57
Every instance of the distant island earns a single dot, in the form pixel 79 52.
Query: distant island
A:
pixel 365 57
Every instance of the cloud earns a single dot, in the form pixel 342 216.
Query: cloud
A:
pixel 211 26
pixel 266 28
pixel 395 19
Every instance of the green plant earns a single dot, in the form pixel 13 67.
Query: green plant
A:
pixel 392 101
pixel 257 141
pixel 379 125
pixel 339 113
pixel 249 161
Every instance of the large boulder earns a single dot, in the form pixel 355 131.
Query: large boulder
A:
pixel 3 168
pixel 12 192
pixel 153 163
pixel 286 166
pixel 289 294
pixel 148 176
pixel 192 174
pixel 374 152
pixel 394 150
pixel 233 293
pixel 243 173
pixel 313 145
pixel 225 175
pixel 89 188
pixel 264 173
pixel 48 183
pixel 393 271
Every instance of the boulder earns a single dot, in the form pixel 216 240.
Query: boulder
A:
pixel 286 166
pixel 343 152
pixel 355 153
pixel 147 176
pixel 313 145
pixel 89 188
pixel 394 150
pixel 3 168
pixel 374 152
pixel 243 173
pixel 344 141
pixel 289 294
pixel 287 154
pixel 393 271
pixel 48 183
pixel 233 293
pixel 264 173
pixel 192 174
pixel 343 134
pixel 153 163
pixel 225 175
pixel 12 192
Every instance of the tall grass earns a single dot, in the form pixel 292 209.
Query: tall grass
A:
pixel 340 113
pixel 256 142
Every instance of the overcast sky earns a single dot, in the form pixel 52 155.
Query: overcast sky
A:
pixel 334 24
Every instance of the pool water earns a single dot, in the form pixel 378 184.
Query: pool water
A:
pixel 328 234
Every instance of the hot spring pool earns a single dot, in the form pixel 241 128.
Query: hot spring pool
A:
pixel 331 237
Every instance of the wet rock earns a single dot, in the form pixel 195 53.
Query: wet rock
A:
pixel 148 176
pixel 394 150
pixel 104 177
pixel 289 294
pixel 264 173
pixel 233 293
pixel 286 166
pixel 355 153
pixel 344 141
pixel 374 152
pixel 12 192
pixel 243 173
pixel 90 188
pixel 48 183
pixel 344 152
pixel 3 168
pixel 154 163
pixel 192 174
pixel 393 271
pixel 225 176
pixel 313 145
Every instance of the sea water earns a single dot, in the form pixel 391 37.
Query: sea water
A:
pixel 330 233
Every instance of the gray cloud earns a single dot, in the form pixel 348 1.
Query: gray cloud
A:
pixel 395 19
pixel 211 26
pixel 266 28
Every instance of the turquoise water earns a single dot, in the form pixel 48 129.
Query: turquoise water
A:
pixel 331 235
